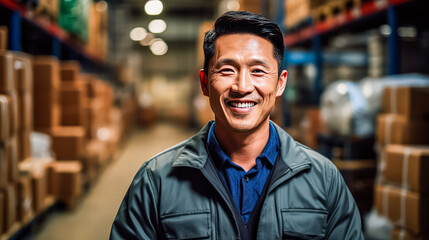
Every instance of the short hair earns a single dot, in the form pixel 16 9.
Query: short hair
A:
pixel 236 22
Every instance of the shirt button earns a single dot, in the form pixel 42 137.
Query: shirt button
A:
pixel 246 178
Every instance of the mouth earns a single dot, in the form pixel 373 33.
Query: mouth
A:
pixel 242 105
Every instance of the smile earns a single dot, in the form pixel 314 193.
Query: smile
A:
pixel 241 104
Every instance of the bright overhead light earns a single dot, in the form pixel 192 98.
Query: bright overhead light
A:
pixel 158 46
pixel 147 40
pixel 157 26
pixel 138 34
pixel 233 5
pixel 153 7
pixel 101 6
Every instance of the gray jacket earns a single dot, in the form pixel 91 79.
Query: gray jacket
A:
pixel 178 195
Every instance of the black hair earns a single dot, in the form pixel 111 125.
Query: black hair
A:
pixel 244 22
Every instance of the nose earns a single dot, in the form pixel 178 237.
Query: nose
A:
pixel 243 84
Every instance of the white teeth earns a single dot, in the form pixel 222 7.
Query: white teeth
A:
pixel 242 105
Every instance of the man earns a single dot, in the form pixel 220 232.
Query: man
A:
pixel 241 176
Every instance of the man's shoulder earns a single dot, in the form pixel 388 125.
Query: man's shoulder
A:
pixel 316 159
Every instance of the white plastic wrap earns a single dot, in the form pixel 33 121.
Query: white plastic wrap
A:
pixel 345 110
pixel 350 108
pixel 40 145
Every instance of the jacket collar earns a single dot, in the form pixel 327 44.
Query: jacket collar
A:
pixel 194 153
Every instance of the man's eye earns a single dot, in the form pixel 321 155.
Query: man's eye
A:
pixel 226 70
pixel 258 71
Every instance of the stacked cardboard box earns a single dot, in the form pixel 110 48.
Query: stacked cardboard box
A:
pixel 253 6
pixel 48 9
pixel 100 132
pixel 67 181
pixel 23 70
pixel 405 118
pixel 402 192
pixel 46 93
pixel 15 128
pixel 297 11
pixel 8 145
pixel 3 37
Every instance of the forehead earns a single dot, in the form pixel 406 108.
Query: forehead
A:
pixel 243 44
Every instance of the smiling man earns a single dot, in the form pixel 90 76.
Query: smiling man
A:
pixel 241 176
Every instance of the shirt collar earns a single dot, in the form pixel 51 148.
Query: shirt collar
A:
pixel 219 157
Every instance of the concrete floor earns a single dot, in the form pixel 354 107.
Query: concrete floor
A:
pixel 93 217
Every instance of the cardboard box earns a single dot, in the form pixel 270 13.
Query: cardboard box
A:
pixel 407 167
pixel 67 178
pixel 7 82
pixel 3 167
pixel 25 105
pixel 397 129
pixel 23 71
pixel 404 208
pixel 10 207
pixel 70 71
pixel 12 149
pixel 24 144
pixel 73 94
pixel 403 234
pixel 407 101
pixel 48 9
pixel 46 72
pixel 2 211
pixel 3 38
pixel 24 199
pixel 46 92
pixel 39 187
pixel 6 118
pixel 68 142
pixel 74 117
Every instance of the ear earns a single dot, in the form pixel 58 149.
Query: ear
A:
pixel 203 82
pixel 281 84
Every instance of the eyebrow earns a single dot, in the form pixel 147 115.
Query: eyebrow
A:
pixel 252 62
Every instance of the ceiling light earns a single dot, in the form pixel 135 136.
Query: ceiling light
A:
pixel 153 7
pixel 101 6
pixel 233 5
pixel 138 34
pixel 157 26
pixel 407 32
pixel 146 41
pixel 158 46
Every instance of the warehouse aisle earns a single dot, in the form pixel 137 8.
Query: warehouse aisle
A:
pixel 93 217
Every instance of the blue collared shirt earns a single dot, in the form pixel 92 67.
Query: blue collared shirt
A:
pixel 245 187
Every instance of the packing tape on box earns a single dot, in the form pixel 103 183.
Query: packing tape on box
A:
pixel 402 209
pixel 388 129
pixel 386 200
pixel 393 100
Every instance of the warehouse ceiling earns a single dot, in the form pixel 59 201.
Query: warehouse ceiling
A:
pixel 183 19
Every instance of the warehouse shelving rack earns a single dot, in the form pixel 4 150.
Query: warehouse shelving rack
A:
pixel 39 36
pixel 370 14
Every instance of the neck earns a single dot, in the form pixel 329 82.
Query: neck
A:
pixel 243 147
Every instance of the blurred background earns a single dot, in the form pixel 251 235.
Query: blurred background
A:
pixel 89 90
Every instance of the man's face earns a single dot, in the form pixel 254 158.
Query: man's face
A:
pixel 242 82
